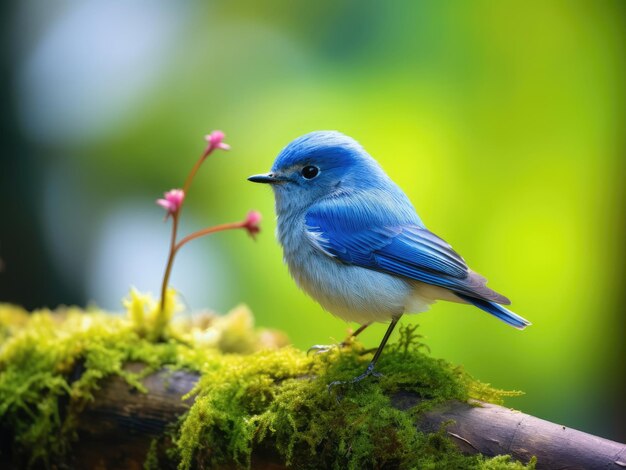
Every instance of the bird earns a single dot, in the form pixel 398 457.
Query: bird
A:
pixel 354 242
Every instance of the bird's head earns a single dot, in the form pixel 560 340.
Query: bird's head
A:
pixel 319 164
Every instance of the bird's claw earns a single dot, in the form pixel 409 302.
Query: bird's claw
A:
pixel 369 371
pixel 324 348
pixel 320 348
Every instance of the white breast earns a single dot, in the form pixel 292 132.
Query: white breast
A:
pixel 349 292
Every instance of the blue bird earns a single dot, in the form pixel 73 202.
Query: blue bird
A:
pixel 353 241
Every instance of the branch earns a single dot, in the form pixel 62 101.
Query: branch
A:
pixel 116 430
pixel 494 430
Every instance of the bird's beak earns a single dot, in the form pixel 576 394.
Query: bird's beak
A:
pixel 266 178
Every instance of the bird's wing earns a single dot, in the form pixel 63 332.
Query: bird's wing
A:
pixel 399 248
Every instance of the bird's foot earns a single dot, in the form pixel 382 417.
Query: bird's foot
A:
pixel 349 341
pixel 320 348
pixel 369 371
pixel 324 348
pixel 367 351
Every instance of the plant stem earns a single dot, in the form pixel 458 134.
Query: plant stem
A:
pixel 174 247
pixel 194 170
pixel 208 231
pixel 170 260
pixel 175 217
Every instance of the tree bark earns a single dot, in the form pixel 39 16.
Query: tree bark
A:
pixel 116 429
pixel 495 430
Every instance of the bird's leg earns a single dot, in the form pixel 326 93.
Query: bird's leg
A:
pixel 323 348
pixel 356 333
pixel 370 368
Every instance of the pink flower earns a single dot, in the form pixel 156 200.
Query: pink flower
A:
pixel 215 141
pixel 172 201
pixel 253 223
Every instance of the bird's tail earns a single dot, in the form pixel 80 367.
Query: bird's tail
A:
pixel 498 311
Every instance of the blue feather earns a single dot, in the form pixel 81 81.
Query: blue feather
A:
pixel 498 311
pixel 362 231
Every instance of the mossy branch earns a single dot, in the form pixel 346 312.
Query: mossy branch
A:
pixel 89 390
pixel 475 428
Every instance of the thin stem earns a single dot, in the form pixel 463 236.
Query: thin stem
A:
pixel 170 259
pixel 194 170
pixel 174 247
pixel 208 231
pixel 175 217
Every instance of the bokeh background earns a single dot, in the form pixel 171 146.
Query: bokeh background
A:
pixel 503 121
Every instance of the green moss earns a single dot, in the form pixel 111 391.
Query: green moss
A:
pixel 243 402
pixel 38 370
pixel 268 399
pixel 152 458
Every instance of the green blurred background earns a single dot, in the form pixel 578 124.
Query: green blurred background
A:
pixel 503 122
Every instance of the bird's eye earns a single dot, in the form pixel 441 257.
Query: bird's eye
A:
pixel 309 172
